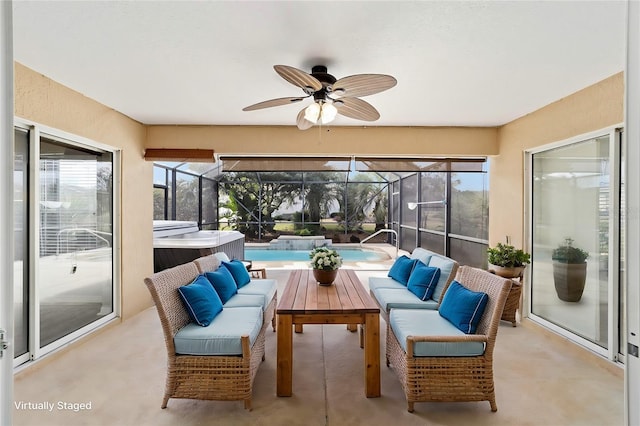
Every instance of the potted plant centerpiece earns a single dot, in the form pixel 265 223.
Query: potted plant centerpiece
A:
pixel 325 263
pixel 507 261
pixel 569 270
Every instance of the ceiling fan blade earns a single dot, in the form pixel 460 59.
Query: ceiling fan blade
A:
pixel 299 78
pixel 362 85
pixel 356 108
pixel 272 103
pixel 303 124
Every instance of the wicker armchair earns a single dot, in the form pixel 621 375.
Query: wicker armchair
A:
pixel 454 378
pixel 214 377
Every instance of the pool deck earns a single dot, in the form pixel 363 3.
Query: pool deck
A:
pixel 388 249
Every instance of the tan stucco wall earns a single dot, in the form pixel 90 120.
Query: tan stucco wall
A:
pixel 592 108
pixel 43 101
pixel 288 140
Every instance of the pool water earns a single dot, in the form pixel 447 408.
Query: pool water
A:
pixel 347 254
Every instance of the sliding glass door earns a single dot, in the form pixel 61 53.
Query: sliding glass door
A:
pixel 64 257
pixel 21 244
pixel 575 230
pixel 76 232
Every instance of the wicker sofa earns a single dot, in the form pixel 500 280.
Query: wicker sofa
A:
pixel 264 288
pixel 218 361
pixel 435 358
pixel 390 293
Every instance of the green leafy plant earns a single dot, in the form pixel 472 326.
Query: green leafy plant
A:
pixel 567 253
pixel 325 258
pixel 507 256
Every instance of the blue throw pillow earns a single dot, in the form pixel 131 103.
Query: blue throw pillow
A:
pixel 401 269
pixel 238 271
pixel 223 282
pixel 463 307
pixel 423 280
pixel 201 301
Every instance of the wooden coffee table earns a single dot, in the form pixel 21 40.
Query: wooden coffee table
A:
pixel 343 302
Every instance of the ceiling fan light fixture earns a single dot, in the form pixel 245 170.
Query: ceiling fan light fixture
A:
pixel 328 113
pixel 312 112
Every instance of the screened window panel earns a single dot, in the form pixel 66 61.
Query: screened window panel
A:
pixel 209 202
pixel 468 252
pixel 187 203
pixel 433 242
pixel 433 190
pixel 470 205
pixel 407 239
pixel 159 176
pixel 159 204
pixel 408 195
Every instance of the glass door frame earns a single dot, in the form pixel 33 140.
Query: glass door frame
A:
pixel 613 314
pixel 36 131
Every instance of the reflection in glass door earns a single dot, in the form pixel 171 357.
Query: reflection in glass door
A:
pixel 75 279
pixel 571 211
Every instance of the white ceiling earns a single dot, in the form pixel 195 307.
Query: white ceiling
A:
pixel 471 63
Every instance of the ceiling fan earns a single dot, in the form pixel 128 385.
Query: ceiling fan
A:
pixel 330 96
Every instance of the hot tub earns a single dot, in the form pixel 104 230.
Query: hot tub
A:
pixel 178 242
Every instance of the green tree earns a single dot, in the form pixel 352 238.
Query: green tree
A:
pixel 254 200
pixel 363 201
pixel 187 197
pixel 321 191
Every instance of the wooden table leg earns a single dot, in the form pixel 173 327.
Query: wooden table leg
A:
pixel 372 355
pixel 284 365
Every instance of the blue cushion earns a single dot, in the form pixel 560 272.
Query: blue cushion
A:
pixel 223 282
pixel 401 269
pixel 201 301
pixel 423 280
pixel 463 307
pixel 239 272
pixel 422 322
pixel 222 336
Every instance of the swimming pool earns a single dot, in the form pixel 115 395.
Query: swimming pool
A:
pixel 348 255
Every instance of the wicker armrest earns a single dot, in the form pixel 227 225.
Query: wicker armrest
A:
pixel 465 338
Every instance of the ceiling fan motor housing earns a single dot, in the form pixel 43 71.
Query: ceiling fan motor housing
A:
pixel 321 74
